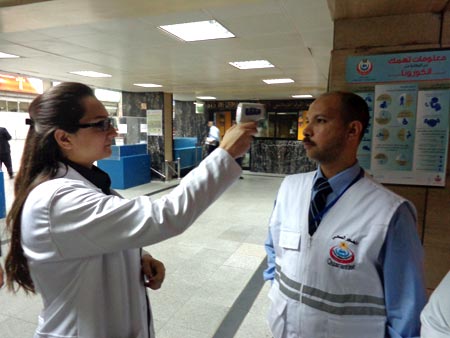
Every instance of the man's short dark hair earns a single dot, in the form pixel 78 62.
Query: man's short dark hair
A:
pixel 353 108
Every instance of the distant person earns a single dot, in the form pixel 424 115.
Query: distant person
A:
pixel 213 138
pixel 5 151
pixel 75 241
pixel 435 316
pixel 344 255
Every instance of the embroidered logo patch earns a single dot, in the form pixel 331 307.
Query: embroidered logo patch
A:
pixel 341 256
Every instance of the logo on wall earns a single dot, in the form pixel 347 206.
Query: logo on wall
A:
pixel 341 256
pixel 364 67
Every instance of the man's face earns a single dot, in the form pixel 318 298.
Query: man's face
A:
pixel 325 133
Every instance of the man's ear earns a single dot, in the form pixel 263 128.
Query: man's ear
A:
pixel 63 139
pixel 355 129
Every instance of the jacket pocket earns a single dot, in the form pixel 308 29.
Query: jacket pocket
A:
pixel 288 257
pixel 277 312
pixel 290 239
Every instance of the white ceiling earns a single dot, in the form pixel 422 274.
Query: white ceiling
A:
pixel 121 38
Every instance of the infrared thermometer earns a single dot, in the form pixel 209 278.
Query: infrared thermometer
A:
pixel 247 112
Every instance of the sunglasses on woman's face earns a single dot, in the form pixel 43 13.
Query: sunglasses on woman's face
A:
pixel 103 125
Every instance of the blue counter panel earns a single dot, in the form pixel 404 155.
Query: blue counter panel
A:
pixel 184 142
pixel 128 150
pixel 128 171
pixel 187 156
pixel 187 150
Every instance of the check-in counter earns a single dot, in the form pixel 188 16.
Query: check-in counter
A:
pixel 188 151
pixel 128 166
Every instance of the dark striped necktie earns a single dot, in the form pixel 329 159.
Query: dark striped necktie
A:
pixel 322 189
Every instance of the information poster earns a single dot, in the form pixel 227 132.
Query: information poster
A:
pixel 154 122
pixel 365 147
pixel 394 127
pixel 432 127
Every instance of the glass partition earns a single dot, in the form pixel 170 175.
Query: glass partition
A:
pixel 131 130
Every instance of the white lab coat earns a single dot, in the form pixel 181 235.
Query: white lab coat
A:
pixel 83 246
pixel 435 317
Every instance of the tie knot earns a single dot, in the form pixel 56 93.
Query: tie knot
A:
pixel 321 184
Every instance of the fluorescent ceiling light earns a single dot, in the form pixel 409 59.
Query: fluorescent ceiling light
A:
pixel 197 31
pixel 252 64
pixel 8 56
pixel 147 85
pixel 206 97
pixel 276 81
pixel 90 73
pixel 303 96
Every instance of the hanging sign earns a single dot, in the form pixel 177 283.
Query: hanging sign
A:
pixel 21 84
pixel 417 66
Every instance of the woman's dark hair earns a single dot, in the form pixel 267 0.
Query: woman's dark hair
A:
pixel 61 107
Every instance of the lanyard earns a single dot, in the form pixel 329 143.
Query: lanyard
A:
pixel 320 215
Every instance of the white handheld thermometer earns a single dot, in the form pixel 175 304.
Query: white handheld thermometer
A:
pixel 246 112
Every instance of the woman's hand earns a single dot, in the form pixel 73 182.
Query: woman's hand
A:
pixel 154 272
pixel 238 138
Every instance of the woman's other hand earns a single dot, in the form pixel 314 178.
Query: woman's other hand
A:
pixel 154 272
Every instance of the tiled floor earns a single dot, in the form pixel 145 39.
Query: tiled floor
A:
pixel 213 285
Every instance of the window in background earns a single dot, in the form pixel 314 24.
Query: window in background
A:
pixel 23 106
pixel 12 106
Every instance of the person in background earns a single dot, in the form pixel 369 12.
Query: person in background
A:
pixel 213 139
pixel 5 151
pixel 435 317
pixel 75 241
pixel 344 255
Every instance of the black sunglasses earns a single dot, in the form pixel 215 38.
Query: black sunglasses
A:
pixel 103 125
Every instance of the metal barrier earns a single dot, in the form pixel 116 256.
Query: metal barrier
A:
pixel 170 168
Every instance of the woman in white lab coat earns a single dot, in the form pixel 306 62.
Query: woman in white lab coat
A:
pixel 74 241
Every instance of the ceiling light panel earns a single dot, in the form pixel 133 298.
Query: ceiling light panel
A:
pixel 8 56
pixel 256 64
pixel 206 97
pixel 278 81
pixel 302 96
pixel 147 85
pixel 89 73
pixel 198 31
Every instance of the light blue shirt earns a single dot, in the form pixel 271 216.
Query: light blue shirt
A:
pixel 400 264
